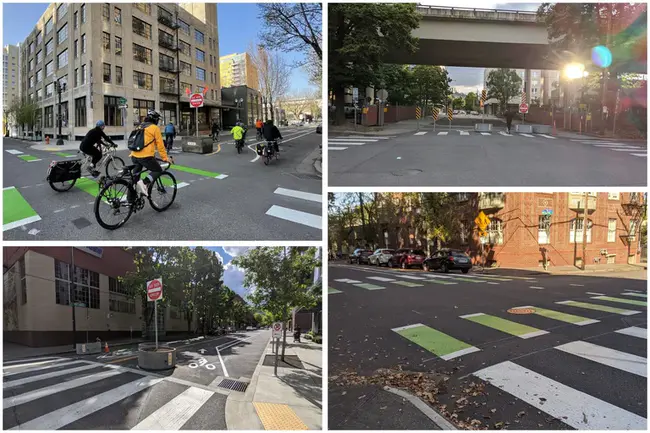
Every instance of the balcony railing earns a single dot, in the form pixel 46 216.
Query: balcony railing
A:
pixel 168 21
pixel 166 43
pixel 491 200
pixel 168 90
pixel 577 202
pixel 168 67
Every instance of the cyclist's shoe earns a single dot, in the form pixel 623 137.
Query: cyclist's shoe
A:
pixel 141 187
pixel 94 173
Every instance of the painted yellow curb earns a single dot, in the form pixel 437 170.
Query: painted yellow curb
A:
pixel 278 417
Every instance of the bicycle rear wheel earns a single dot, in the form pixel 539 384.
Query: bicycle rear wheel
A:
pixel 112 204
pixel 113 166
pixel 62 186
pixel 164 187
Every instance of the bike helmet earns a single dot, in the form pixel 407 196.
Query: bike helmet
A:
pixel 100 124
pixel 153 116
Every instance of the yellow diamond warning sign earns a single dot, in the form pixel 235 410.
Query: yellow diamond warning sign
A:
pixel 482 221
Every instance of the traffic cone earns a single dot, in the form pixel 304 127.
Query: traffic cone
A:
pixel 106 348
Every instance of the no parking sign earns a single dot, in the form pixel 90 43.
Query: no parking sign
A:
pixel 277 330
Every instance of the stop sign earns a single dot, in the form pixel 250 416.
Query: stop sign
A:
pixel 523 108
pixel 154 289
pixel 196 100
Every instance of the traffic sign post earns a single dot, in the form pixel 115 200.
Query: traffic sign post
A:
pixel 154 292
pixel 277 335
pixel 418 114
pixel 450 115
pixel 196 101
pixel 434 115
pixel 483 99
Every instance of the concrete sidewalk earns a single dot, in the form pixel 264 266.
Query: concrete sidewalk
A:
pixel 572 270
pixel 13 351
pixel 291 401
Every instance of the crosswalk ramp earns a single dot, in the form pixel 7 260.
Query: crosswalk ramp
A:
pixel 350 141
pixel 67 394
pixel 298 207
pixel 637 150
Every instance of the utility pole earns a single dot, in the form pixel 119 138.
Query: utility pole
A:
pixel 72 299
pixel 584 232
pixel 59 90
pixel 605 71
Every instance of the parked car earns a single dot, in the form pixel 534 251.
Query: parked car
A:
pixel 407 257
pixel 448 260
pixel 381 257
pixel 475 113
pixel 462 112
pixel 360 255
pixel 455 111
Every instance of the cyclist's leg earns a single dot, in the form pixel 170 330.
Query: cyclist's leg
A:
pixel 151 164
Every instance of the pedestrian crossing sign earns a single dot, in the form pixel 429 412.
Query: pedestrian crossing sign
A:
pixel 482 222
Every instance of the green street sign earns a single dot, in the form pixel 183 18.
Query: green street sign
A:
pixel 122 101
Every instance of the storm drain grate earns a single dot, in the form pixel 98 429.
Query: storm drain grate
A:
pixel 233 385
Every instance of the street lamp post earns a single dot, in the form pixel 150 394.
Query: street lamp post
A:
pixel 59 90
pixel 239 104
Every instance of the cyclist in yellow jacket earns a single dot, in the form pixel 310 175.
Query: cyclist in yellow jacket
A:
pixel 147 156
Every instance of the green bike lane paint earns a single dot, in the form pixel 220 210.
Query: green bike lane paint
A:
pixel 29 158
pixel 16 211
pixel 440 344
pixel 504 325
pixel 621 300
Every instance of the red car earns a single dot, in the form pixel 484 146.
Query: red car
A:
pixel 408 257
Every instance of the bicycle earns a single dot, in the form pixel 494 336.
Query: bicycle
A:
pixel 62 175
pixel 267 155
pixel 122 197
pixel 239 144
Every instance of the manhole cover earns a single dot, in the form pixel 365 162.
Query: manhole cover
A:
pixel 407 172
pixel 521 310
pixel 81 223
pixel 233 385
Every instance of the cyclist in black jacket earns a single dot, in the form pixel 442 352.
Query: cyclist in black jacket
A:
pixel 88 145
pixel 271 133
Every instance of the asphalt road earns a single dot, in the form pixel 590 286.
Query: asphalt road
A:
pixel 576 360
pixel 281 201
pixel 462 157
pixel 108 392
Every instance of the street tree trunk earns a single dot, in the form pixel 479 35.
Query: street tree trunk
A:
pixel 339 105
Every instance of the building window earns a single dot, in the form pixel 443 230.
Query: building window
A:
pixel 86 285
pixel 200 74
pixel 106 12
pixel 76 77
pixel 49 90
pixel 49 47
pixel 31 82
pixel 80 111
pixel 166 63
pixel 49 114
pixel 117 16
pixel 63 83
pixel 49 69
pixel 140 109
pixel 186 86
pixel 61 11
pixel 167 85
pixel 613 195
pixel 142 80
pixel 31 64
pixel 200 55
pixel 112 112
pixel 62 34
pixel 76 48
pixel 611 230
pixel 83 44
pixel 23 281
pixel 141 28
pixel 49 26
pixel 106 41
pixel 62 59
pixel 143 7
pixel 165 39
pixel 120 299
pixel 39 94
pixel 118 75
pixel 76 20
pixel 39 38
pixel 31 48
pixel 544 230
pixel 576 232
pixel 199 37
pixel 83 13
pixel 39 75
pixel 142 54
pixel 186 69
pixel 494 232
pixel 185 28
pixel 107 73
pixel 118 46
pixel 39 57
pixel 185 48
pixel 83 74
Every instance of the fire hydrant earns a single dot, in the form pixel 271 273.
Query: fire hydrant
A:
pixel 47 140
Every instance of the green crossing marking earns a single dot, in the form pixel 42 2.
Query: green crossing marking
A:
pixel 434 341
pixel 484 277
pixel 198 172
pixel 87 185
pixel 369 286
pixel 16 210
pixel 64 155
pixel 639 295
pixel 503 325
pixel 407 284
pixel 331 291
pixel 469 280
pixel 439 281
pixel 165 180
pixel 599 307
pixel 621 300
pixel 29 158
pixel 564 317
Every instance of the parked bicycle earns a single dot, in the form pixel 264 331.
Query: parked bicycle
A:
pixel 120 197
pixel 62 175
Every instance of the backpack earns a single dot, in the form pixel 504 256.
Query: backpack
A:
pixel 136 139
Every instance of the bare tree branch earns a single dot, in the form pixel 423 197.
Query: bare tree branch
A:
pixel 273 74
pixel 293 27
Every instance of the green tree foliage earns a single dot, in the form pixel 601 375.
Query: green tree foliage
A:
pixel 22 112
pixel 459 103
pixel 503 84
pixel 471 101
pixel 359 36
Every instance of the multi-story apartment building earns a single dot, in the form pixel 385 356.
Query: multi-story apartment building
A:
pixel 116 61
pixel 38 287
pixel 238 70
pixel 539 86
pixel 10 83
pixel 248 102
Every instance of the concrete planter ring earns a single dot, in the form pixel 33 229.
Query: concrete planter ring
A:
pixel 150 358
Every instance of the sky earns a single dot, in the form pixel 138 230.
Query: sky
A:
pixel 235 33
pixel 233 276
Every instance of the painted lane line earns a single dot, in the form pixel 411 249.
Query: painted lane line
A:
pixel 381 279
pixel 609 145
pixel 536 287
pixel 625 149
pixel 372 140
pixel 19 382
pixel 463 132
pixel 574 408
pixel 642 155
pixel 45 367
pixel 223 365
pixel 410 277
pixel 420 133
pixel 33 361
pixel 604 355
pixel 634 331
pixel 296 216
pixel 374 136
pixel 599 307
pixel 526 135
pixel 174 414
pixel 485 133
pixel 595 293
pixel 230 344
pixel 407 284
pixel 640 295
pixel 347 143
pixel 504 325
pixel 253 149
pixel 53 389
pixel 333 148
pixel 621 300
pixel 332 291
pixel 443 133
pixel 69 414
pixel 299 194
pixel 505 134
pixel 547 136
pixel 434 341
pixel 347 280
pixel 577 285
pixel 563 317
pixel 369 286
pixel 493 283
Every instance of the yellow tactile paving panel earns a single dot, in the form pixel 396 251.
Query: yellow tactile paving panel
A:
pixel 278 417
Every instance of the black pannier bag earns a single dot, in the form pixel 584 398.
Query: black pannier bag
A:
pixel 65 170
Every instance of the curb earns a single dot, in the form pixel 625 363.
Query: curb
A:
pixel 318 166
pixel 427 410
pixel 575 272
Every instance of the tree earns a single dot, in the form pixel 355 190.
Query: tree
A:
pixel 503 84
pixel 314 68
pixel 458 103
pixel 471 101
pixel 297 103
pixel 431 85
pixel 293 27
pixel 281 278
pixel 23 112
pixel 273 73
pixel 359 36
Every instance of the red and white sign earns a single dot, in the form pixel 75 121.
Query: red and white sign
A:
pixel 154 289
pixel 523 108
pixel 196 100
pixel 277 330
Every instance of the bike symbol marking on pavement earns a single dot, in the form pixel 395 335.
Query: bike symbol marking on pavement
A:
pixel 202 362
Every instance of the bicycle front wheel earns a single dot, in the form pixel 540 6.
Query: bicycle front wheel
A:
pixel 162 192
pixel 112 207
pixel 114 165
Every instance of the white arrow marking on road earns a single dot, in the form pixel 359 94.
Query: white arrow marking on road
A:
pixel 202 351
pixel 223 365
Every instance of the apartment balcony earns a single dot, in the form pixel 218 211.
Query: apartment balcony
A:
pixel 168 67
pixel 167 21
pixel 167 43
pixel 491 200
pixel 632 203
pixel 577 202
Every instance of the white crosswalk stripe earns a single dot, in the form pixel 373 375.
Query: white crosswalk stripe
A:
pixel 298 198
pixel 630 149
pixel 420 133
pixel 463 132
pixel 177 412
pixel 338 143
pixel 19 382
pixel 610 357
pixel 443 133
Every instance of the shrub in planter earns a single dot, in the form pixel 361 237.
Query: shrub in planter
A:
pixel 318 339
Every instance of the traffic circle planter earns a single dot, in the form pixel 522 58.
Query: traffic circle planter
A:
pixel 150 358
